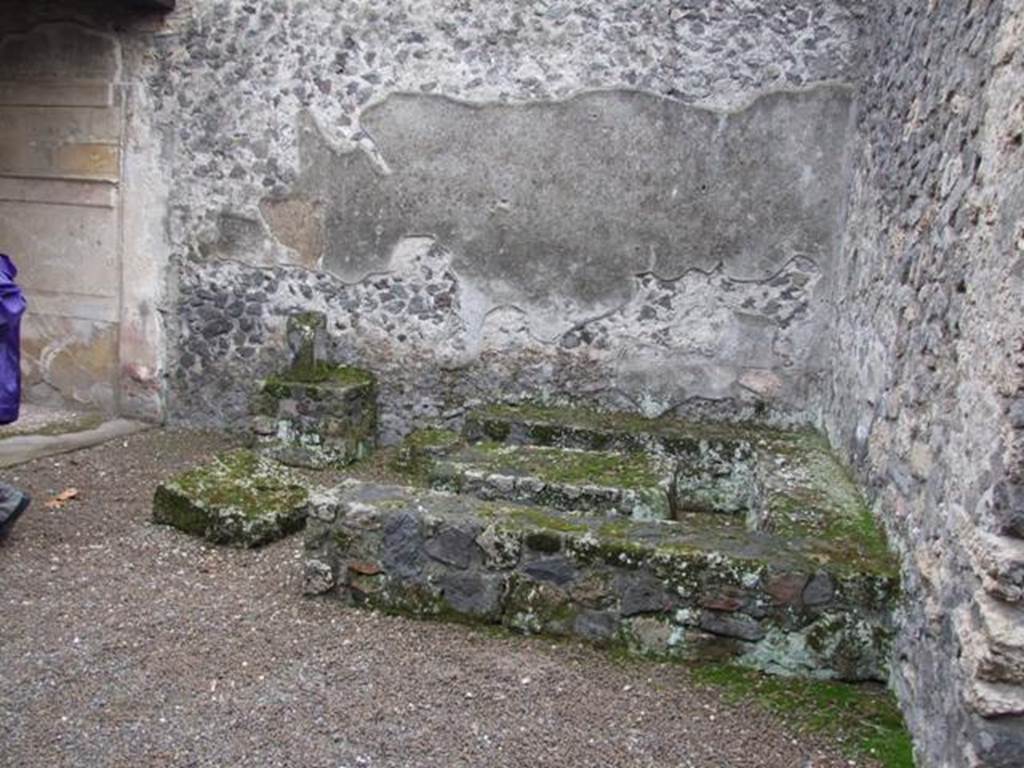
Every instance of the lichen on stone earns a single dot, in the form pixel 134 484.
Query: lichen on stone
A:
pixel 554 465
pixel 239 498
pixel 317 415
pixel 660 588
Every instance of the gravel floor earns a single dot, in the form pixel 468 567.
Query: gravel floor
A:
pixel 126 644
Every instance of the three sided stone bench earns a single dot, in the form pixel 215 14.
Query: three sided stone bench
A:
pixel 662 537
pixel 700 587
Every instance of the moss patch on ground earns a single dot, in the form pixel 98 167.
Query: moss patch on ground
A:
pixel 863 719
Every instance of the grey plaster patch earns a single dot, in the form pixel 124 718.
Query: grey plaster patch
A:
pixel 254 118
pixel 564 202
pixel 229 88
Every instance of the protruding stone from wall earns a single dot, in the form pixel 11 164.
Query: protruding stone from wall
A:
pixel 315 414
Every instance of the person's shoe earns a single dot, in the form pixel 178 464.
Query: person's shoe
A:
pixel 5 527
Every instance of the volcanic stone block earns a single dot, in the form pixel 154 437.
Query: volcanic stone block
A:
pixel 317 416
pixel 240 499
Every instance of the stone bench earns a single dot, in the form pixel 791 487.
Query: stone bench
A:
pixel 696 587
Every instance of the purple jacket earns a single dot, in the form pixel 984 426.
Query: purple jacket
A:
pixel 12 306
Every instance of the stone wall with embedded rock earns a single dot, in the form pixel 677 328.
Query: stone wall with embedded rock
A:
pixel 645 587
pixel 927 385
pixel 633 204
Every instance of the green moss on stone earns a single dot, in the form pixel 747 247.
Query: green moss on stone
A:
pixel 560 418
pixel 342 540
pixel 543 541
pixel 175 509
pixel 627 554
pixel 432 438
pixel 534 607
pixel 614 529
pixel 532 516
pixel 320 372
pixel 243 482
pixel 569 467
pixel 827 511
pixel 414 458
pixel 812 500
pixel 239 499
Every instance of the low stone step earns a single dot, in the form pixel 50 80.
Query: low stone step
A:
pixel 715 465
pixel 700 586
pixel 787 481
pixel 240 499
pixel 592 429
pixel 603 482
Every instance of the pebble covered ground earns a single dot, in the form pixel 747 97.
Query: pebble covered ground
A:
pixel 123 643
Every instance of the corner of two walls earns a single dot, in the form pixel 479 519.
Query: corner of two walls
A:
pixel 926 386
pixel 633 207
